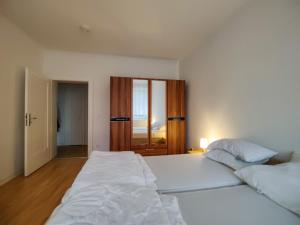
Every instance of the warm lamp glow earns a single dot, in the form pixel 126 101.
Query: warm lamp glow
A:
pixel 203 143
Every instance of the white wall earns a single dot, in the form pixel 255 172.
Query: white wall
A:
pixel 17 50
pixel 98 68
pixel 245 80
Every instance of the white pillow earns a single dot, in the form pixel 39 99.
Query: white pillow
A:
pixel 281 183
pixel 228 159
pixel 243 150
pixel 295 157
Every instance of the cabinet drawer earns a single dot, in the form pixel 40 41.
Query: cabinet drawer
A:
pixel 151 151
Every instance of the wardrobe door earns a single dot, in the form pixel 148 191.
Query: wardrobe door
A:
pixel 176 117
pixel 120 136
pixel 158 114
pixel 176 98
pixel 120 113
pixel 149 117
pixel 140 114
pixel 176 137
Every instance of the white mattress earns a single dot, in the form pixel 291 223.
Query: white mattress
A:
pixel 239 205
pixel 187 172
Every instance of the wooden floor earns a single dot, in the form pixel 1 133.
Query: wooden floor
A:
pixel 31 200
pixel 70 151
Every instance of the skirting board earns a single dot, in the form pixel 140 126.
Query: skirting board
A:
pixel 9 178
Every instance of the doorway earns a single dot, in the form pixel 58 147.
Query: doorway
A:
pixel 72 119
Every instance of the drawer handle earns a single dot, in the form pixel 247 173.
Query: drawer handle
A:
pixel 119 119
pixel 178 118
pixel 150 149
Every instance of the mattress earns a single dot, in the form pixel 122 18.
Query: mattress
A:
pixel 187 172
pixel 232 206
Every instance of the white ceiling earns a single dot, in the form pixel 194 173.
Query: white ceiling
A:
pixel 150 28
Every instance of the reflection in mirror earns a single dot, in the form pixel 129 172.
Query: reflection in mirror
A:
pixel 140 112
pixel 158 113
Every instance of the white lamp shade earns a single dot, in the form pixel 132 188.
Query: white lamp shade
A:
pixel 203 143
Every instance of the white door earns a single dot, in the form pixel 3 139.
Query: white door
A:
pixel 37 151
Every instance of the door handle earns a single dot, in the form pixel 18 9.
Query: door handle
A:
pixel 30 119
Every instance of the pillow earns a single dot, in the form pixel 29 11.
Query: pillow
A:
pixel 243 150
pixel 281 183
pixel 228 159
pixel 296 157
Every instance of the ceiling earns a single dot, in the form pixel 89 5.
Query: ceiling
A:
pixel 147 28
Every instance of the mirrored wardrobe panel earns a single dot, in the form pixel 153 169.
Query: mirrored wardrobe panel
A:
pixel 140 112
pixel 158 113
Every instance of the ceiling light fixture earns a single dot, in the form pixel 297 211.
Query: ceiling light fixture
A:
pixel 84 28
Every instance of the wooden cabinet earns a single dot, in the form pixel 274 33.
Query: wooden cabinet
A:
pixel 176 137
pixel 147 116
pixel 120 97
pixel 120 113
pixel 120 136
pixel 176 117
pixel 176 98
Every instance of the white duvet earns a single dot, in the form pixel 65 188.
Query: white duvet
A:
pixel 116 189
pixel 112 168
pixel 115 204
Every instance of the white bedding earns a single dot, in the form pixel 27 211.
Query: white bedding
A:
pixel 281 183
pixel 239 205
pixel 117 204
pixel 116 188
pixel 111 168
pixel 187 172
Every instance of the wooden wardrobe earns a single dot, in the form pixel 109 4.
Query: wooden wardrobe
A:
pixel 147 115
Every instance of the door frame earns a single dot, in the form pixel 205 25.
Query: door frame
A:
pixel 54 83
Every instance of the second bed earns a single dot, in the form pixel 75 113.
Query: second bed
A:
pixel 232 206
pixel 189 172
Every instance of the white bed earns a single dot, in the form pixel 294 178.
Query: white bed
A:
pixel 188 172
pixel 115 188
pixel 240 205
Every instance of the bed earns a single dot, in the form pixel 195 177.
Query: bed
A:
pixel 232 206
pixel 119 188
pixel 115 188
pixel 189 172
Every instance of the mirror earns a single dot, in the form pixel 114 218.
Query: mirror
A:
pixel 158 113
pixel 139 112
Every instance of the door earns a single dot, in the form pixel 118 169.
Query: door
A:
pixel 120 112
pixel 140 114
pixel 149 113
pixel 37 151
pixel 176 117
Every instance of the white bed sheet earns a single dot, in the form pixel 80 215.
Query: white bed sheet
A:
pixel 188 172
pixel 240 205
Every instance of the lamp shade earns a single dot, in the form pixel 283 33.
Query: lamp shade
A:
pixel 203 143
